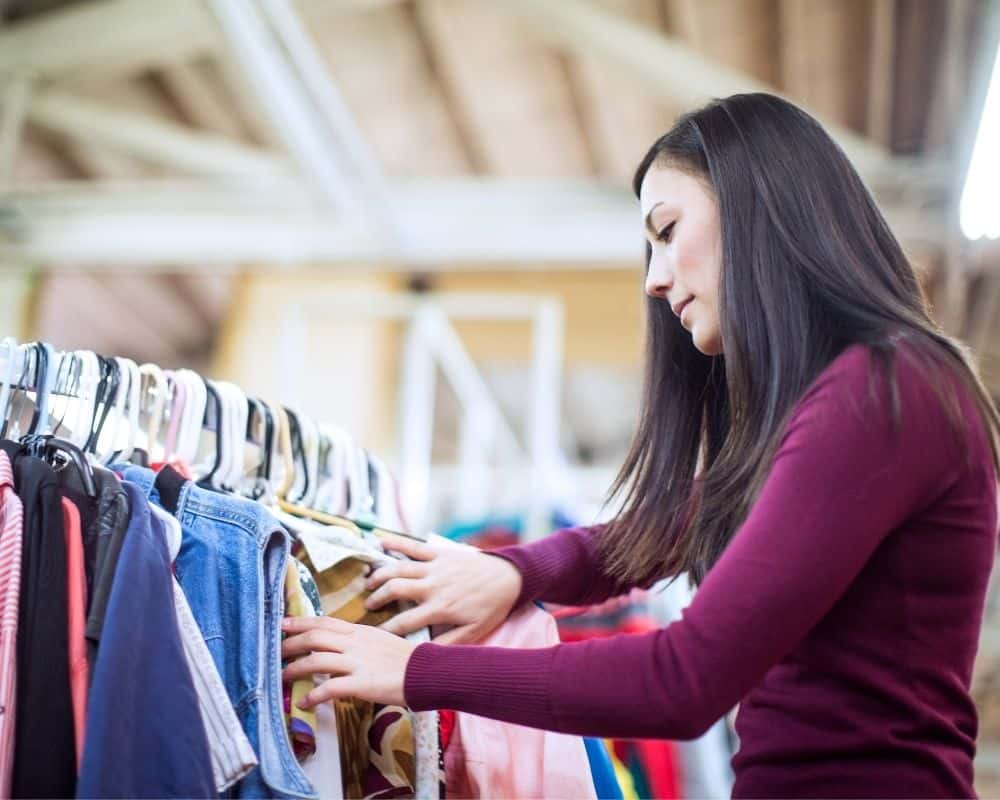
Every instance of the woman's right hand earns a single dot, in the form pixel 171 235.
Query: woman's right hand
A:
pixel 458 586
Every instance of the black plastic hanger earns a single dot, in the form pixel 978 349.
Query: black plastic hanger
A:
pixel 107 393
pixel 213 408
pixel 298 452
pixel 41 359
pixel 60 453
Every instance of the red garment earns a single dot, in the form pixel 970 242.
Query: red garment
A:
pixel 76 591
pixel 446 721
pixel 176 464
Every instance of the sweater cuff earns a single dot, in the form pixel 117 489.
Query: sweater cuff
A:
pixel 494 682
pixel 537 574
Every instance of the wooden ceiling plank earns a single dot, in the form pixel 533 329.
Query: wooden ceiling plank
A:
pixel 525 119
pixel 202 102
pixel 653 58
pixel 881 76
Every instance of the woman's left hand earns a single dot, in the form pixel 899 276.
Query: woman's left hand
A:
pixel 362 661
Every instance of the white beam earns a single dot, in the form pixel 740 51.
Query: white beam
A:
pixel 285 100
pixel 446 224
pixel 158 141
pixel 109 37
pixel 678 73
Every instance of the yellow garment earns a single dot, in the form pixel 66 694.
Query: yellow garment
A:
pixel 342 591
pixel 301 724
pixel 624 777
pixel 377 747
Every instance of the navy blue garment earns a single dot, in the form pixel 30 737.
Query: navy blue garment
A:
pixel 145 737
pixel 602 770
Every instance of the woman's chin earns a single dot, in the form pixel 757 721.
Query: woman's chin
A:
pixel 706 345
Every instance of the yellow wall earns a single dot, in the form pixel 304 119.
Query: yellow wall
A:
pixel 353 362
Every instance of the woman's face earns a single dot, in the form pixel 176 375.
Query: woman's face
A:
pixel 682 226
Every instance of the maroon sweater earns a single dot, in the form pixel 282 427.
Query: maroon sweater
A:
pixel 844 616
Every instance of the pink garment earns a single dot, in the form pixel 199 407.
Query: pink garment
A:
pixel 76 591
pixel 486 758
pixel 11 534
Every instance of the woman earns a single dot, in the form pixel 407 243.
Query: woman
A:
pixel 813 450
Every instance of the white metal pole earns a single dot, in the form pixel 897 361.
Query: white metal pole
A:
pixel 416 423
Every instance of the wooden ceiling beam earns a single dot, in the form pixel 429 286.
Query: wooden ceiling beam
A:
pixel 679 74
pixel 882 71
pixel 200 100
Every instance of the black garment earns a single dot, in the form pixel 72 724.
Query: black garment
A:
pixel 169 483
pixel 103 537
pixel 44 754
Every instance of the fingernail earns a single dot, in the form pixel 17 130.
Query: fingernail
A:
pixel 304 703
pixel 286 624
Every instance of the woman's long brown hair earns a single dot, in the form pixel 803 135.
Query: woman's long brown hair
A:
pixel 809 267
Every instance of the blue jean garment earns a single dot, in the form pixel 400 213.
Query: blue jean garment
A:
pixel 231 568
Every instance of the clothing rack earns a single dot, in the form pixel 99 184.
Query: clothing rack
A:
pixel 224 437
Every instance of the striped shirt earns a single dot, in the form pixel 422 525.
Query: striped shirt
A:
pixel 11 533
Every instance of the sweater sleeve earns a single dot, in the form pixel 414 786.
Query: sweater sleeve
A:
pixel 563 568
pixel 842 479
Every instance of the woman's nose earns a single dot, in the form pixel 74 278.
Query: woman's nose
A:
pixel 659 280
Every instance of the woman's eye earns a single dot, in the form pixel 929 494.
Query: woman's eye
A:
pixel 665 232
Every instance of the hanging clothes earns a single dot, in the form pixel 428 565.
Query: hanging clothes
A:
pixel 231 567
pixel 45 743
pixel 11 535
pixel 107 532
pixel 145 736
pixel 377 747
pixel 323 767
pixel 76 610
pixel 486 758
pixel 301 723
pixel 341 562
pixel 230 751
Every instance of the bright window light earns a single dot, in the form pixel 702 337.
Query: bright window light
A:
pixel 979 210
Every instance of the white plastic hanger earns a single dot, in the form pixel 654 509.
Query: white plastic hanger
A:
pixel 241 414
pixel 155 391
pixel 389 515
pixel 44 396
pixel 12 353
pixel 221 476
pixel 332 495
pixel 123 441
pixel 311 436
pixel 193 416
pixel 357 480
pixel 86 404
pixel 106 446
pixel 15 369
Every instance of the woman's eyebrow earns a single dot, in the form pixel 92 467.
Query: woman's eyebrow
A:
pixel 649 220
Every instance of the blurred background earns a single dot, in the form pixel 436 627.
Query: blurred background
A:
pixel 412 218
